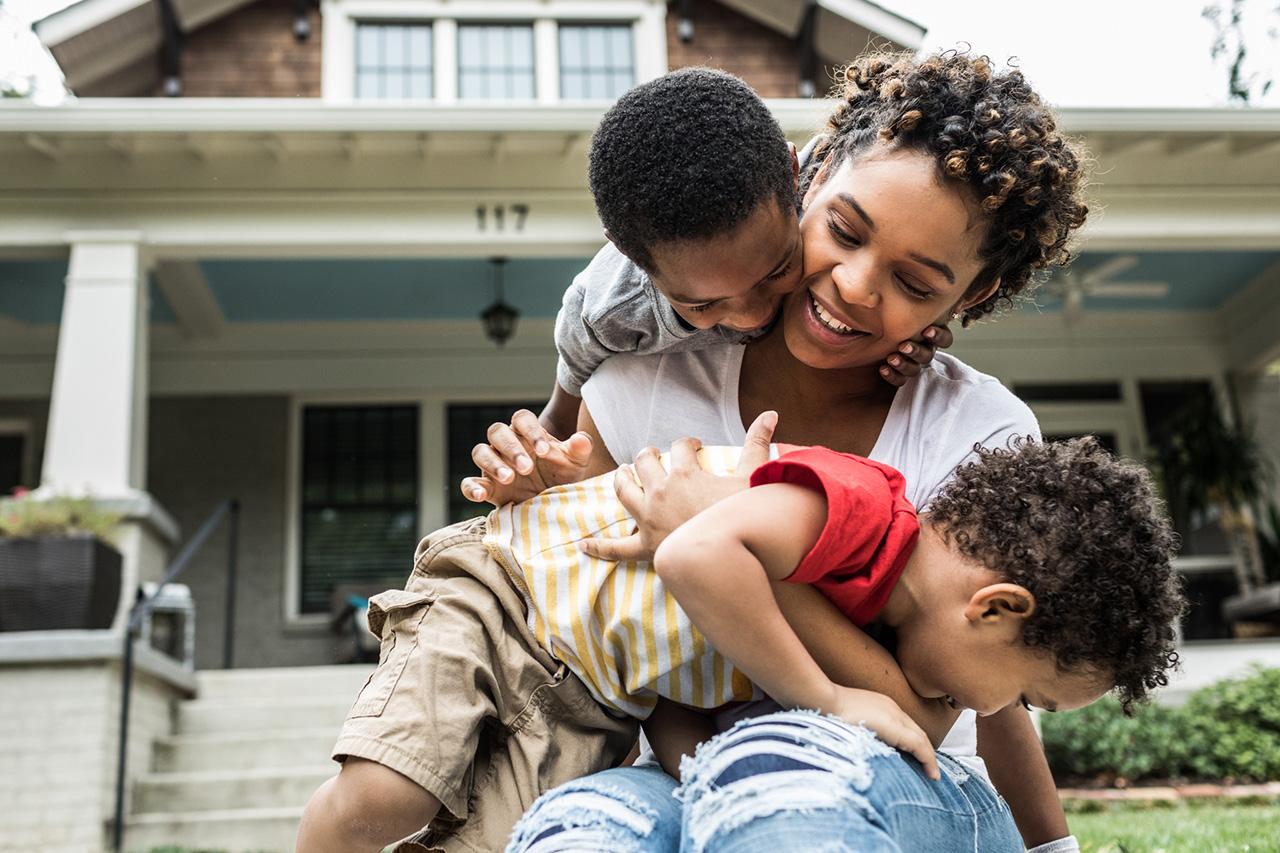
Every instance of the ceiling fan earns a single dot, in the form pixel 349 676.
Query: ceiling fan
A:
pixel 1072 287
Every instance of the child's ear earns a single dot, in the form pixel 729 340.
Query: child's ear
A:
pixel 1000 601
pixel 816 184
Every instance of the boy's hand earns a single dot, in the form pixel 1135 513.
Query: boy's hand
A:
pixel 660 501
pixel 914 354
pixel 522 459
pixel 890 723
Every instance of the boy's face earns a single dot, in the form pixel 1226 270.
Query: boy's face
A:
pixel 736 280
pixel 967 643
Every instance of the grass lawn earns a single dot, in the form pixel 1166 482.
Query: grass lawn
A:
pixel 1207 828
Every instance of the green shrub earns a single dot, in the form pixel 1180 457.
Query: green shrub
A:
pixel 24 517
pixel 1229 730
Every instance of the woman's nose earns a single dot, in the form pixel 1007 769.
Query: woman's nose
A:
pixel 856 285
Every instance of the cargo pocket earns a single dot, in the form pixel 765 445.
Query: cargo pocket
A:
pixel 394 617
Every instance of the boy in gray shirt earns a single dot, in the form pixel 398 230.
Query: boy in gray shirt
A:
pixel 695 184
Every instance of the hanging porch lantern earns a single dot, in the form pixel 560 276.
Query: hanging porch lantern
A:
pixel 499 318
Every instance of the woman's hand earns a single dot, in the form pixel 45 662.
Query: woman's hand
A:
pixel 522 459
pixel 914 354
pixel 890 723
pixel 661 500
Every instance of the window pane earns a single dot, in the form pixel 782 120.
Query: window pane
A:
pixel 10 463
pixel 359 506
pixel 390 58
pixel 597 59
pixel 495 61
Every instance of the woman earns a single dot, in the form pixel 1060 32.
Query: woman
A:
pixel 942 189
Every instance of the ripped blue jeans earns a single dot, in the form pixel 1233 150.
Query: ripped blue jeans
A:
pixel 791 781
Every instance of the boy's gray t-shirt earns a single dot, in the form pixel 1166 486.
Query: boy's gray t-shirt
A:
pixel 612 307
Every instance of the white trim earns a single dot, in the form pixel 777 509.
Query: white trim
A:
pixel 546 60
pixel 445 54
pixel 77 18
pixel 877 21
pixel 338 53
pixel 1114 417
pixel 433 487
pixel 23 428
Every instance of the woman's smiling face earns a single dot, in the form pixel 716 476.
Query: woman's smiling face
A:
pixel 889 249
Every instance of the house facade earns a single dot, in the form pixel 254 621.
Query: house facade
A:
pixel 249 262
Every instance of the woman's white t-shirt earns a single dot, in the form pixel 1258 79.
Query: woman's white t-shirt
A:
pixel 934 423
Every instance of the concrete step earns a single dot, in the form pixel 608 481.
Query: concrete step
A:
pixel 244 750
pixel 242 716
pixel 271 787
pixel 256 830
pixel 293 682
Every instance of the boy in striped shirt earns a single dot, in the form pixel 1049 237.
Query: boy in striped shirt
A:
pixel 512 662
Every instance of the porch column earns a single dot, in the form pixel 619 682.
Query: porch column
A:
pixel 97 439
pixel 96 444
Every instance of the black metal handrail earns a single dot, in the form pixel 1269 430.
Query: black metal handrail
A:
pixel 229 509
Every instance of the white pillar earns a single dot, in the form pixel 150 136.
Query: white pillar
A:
pixel 97 438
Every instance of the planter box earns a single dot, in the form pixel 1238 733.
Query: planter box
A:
pixel 54 583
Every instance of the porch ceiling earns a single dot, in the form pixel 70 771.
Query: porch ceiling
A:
pixel 305 291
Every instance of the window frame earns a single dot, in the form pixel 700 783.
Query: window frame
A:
pixel 355 58
pixel 647 19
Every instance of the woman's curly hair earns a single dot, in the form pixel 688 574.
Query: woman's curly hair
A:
pixel 1086 534
pixel 988 130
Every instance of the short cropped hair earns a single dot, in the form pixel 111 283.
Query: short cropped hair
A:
pixel 687 156
pixel 1086 534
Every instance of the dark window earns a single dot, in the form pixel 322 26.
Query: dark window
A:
pixel 393 61
pixel 359 498
pixel 495 62
pixel 468 424
pixel 1067 392
pixel 1205 595
pixel 1106 439
pixel 10 463
pixel 595 61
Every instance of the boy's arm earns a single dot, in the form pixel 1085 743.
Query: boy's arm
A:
pixel 560 416
pixel 675 731
pixel 720 565
pixel 1015 759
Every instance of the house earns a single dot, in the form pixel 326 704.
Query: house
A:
pixel 249 262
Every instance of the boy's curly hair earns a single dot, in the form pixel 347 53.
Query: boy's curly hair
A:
pixel 690 155
pixel 988 130
pixel 1086 534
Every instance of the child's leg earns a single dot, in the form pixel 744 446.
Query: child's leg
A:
pixel 364 808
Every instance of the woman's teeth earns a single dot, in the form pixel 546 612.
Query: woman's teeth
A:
pixel 830 322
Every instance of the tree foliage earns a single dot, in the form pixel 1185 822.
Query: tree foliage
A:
pixel 1245 81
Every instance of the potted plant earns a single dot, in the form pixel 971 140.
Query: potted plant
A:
pixel 58 569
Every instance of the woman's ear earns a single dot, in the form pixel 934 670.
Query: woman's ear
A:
pixel 1000 602
pixel 977 298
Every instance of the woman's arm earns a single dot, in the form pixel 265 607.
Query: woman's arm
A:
pixel 675 731
pixel 1015 759
pixel 720 565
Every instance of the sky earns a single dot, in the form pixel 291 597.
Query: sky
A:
pixel 1078 54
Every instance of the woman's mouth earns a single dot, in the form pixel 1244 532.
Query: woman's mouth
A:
pixel 826 322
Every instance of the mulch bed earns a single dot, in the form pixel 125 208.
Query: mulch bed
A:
pixel 1171 793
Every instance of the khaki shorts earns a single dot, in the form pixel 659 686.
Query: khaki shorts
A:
pixel 466 703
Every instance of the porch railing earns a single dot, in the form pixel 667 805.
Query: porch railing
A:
pixel 230 510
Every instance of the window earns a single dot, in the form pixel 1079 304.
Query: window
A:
pixel 495 62
pixel 393 61
pixel 11 456
pixel 359 499
pixel 467 424
pixel 595 61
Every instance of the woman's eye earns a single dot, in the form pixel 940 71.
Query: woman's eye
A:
pixel 841 235
pixel 913 291
pixel 780 273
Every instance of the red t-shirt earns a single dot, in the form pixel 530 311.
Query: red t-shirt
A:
pixel 870 532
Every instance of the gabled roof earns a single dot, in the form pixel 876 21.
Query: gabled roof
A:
pixel 115 42
pixel 111 45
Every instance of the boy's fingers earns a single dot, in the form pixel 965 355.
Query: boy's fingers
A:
pixel 476 489
pixel 612 549
pixel 526 425
pixel 893 377
pixel 490 464
pixel 915 742
pixel 939 336
pixel 648 467
pixel 684 454
pixel 628 489
pixel 755 450
pixel 504 440
pixel 577 448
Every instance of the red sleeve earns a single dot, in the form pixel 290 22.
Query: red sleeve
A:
pixel 870 530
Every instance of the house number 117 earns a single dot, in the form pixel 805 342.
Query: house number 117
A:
pixel 498 215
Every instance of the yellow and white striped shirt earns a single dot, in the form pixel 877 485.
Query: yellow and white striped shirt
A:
pixel 612 623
